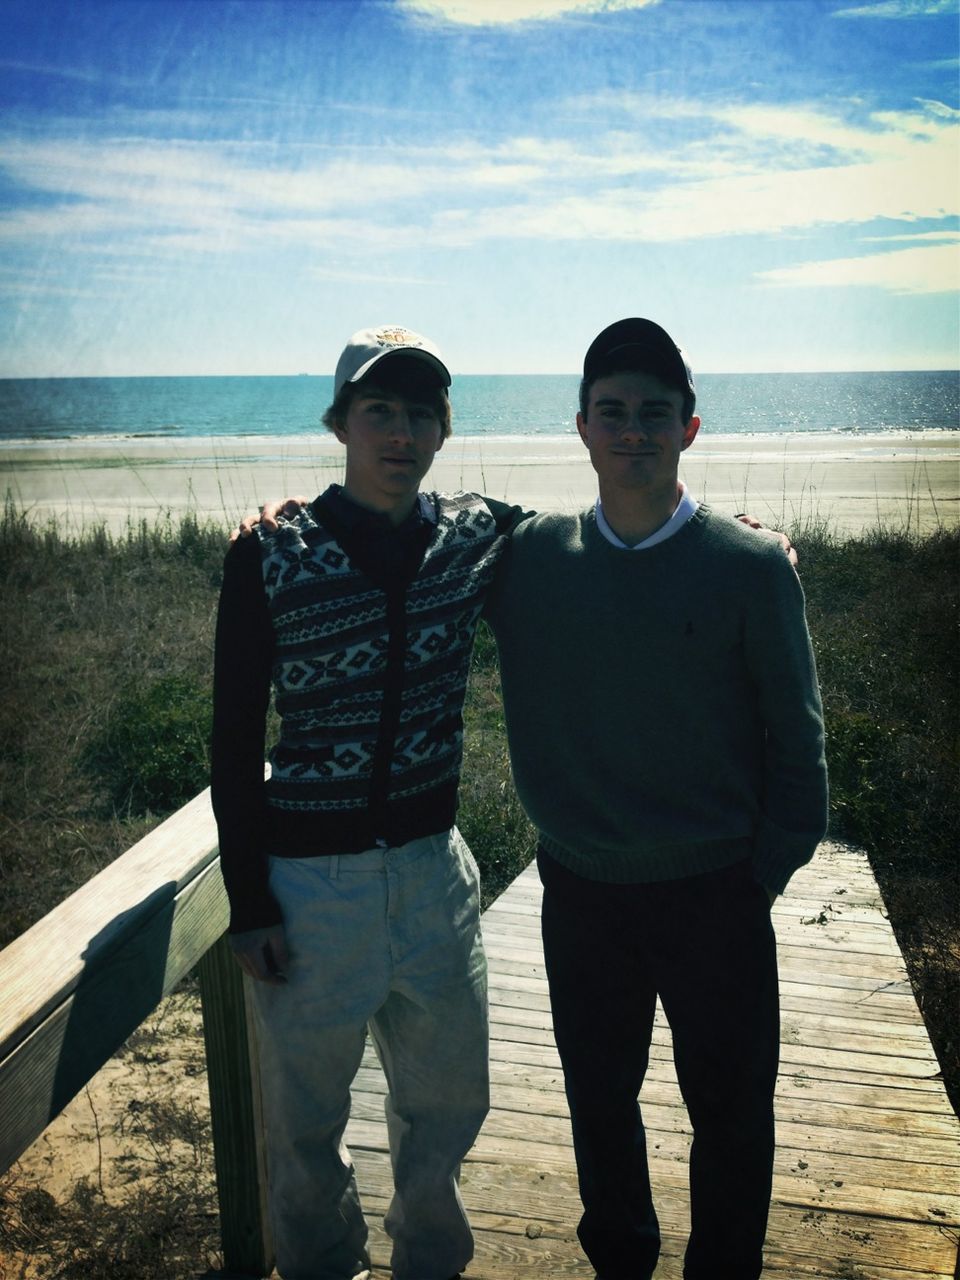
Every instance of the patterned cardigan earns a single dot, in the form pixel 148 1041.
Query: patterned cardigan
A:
pixel 368 662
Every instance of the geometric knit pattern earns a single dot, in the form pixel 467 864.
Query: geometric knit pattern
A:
pixel 369 683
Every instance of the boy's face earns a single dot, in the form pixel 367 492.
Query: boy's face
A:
pixel 634 430
pixel 391 438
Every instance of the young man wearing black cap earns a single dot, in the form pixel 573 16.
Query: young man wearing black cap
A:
pixel 666 740
pixel 354 900
pixel 647 803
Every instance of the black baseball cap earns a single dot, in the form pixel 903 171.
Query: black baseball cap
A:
pixel 641 341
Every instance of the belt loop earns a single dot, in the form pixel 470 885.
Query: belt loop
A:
pixel 334 866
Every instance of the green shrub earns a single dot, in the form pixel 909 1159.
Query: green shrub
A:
pixel 154 753
pixel 490 816
pixel 859 752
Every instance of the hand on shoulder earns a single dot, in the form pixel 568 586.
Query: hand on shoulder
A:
pixel 753 523
pixel 268 516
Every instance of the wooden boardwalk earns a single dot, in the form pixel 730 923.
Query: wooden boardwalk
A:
pixel 867 1182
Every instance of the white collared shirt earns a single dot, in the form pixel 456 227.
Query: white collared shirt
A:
pixel 685 509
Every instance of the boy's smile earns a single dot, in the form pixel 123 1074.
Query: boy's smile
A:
pixel 634 430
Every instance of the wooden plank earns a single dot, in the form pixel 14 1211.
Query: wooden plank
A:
pixel 661 1121
pixel 44 965
pixel 44 1068
pixel 539 1232
pixel 136 929
pixel 895 1008
pixel 235 1114
pixel 833 1014
pixel 807 962
pixel 520 960
pixel 517 1025
pixel 546 1195
pixel 543 1094
pixel 799 1223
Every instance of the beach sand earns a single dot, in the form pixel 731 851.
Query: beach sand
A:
pixel 850 481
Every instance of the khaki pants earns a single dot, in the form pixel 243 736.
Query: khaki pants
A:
pixel 387 939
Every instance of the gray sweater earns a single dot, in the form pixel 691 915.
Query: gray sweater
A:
pixel 661 705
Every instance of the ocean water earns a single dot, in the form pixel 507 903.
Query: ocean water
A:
pixel 504 405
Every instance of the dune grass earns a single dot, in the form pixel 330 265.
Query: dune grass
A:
pixel 105 673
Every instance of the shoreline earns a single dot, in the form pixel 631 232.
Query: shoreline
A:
pixel 853 436
pixel 853 481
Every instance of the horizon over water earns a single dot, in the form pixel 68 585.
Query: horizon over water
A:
pixel 37 410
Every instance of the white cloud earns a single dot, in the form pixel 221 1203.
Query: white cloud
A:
pixel 898 9
pixel 920 270
pixel 897 170
pixel 799 126
pixel 352 276
pixel 792 133
pixel 731 171
pixel 42 69
pixel 488 13
pixel 29 289
pixel 939 237
pixel 213 196
pixel 939 108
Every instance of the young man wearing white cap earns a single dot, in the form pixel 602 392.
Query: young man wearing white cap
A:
pixel 666 740
pixel 354 900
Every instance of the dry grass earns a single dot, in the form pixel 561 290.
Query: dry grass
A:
pixel 145 1206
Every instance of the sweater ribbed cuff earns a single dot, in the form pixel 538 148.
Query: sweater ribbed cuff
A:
pixel 778 853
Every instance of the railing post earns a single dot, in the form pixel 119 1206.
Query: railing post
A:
pixel 235 1114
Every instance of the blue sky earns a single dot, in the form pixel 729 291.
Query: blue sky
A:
pixel 202 186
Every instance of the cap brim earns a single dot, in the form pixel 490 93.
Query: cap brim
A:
pixel 406 353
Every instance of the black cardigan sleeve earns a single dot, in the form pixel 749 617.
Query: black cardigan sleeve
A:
pixel 241 694
pixel 507 517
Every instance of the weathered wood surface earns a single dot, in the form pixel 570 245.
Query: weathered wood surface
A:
pixel 235 1113
pixel 76 984
pixel 867 1182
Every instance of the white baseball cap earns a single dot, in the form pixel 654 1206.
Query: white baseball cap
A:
pixel 367 346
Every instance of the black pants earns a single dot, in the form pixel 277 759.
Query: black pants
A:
pixel 706 946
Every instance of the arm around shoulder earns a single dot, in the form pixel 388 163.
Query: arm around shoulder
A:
pixel 506 516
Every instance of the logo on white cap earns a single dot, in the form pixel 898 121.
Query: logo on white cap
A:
pixel 397 337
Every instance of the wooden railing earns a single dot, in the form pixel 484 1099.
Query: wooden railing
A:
pixel 81 980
